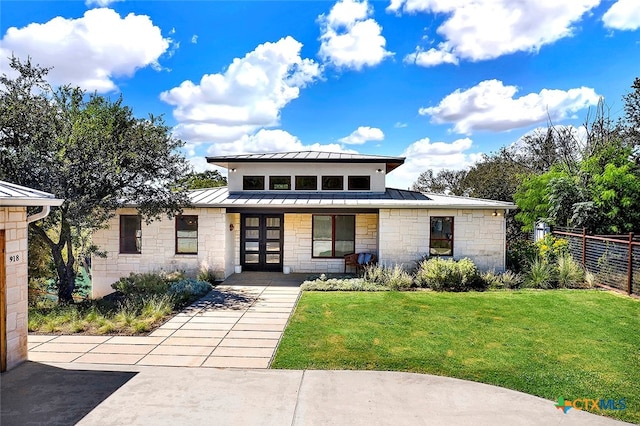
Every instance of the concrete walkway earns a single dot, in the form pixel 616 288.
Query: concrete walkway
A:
pixel 237 325
pixel 91 394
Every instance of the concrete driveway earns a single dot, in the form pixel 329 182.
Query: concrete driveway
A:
pixel 93 394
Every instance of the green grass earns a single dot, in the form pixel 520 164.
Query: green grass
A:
pixel 569 343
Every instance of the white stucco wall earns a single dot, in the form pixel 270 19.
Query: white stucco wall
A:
pixel 298 243
pixel 158 249
pixel 13 221
pixel 478 235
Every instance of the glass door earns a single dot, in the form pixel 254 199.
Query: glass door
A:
pixel 261 242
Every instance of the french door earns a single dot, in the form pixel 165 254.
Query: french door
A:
pixel 261 242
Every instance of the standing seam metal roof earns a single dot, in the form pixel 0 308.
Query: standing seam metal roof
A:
pixel 16 195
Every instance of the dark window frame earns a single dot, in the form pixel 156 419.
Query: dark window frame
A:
pixel 333 234
pixel 325 180
pixel 258 178
pixel 432 239
pixel 272 183
pixel 352 187
pixel 178 220
pixel 315 183
pixel 137 238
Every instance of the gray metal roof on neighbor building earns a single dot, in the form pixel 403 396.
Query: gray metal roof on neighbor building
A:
pixel 12 195
pixel 391 198
pixel 306 157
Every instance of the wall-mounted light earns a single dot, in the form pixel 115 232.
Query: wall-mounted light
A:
pixel 496 213
pixel 231 227
pixel 233 170
pixel 379 171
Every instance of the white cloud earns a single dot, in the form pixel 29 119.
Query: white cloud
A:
pixel 491 105
pixel 485 29
pixel 88 51
pixel 400 125
pixel 623 15
pixel 194 39
pixel 424 154
pixel 265 140
pixel 350 38
pixel 431 57
pixel 362 135
pixel 100 3
pixel 247 96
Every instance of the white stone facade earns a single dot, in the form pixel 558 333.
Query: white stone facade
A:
pixel 298 242
pixel 13 221
pixel 216 243
pixel 478 235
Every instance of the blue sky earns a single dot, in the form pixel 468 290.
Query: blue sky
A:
pixel 437 81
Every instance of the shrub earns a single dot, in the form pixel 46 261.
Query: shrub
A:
pixel 395 278
pixel 492 280
pixel 520 255
pixel 540 275
pixel 551 248
pixel 188 289
pixel 141 284
pixel 570 274
pixel 207 275
pixel 449 275
pixel 511 279
pixel 341 284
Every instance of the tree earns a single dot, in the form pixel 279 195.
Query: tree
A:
pixel 90 151
pixel 206 179
pixel 446 181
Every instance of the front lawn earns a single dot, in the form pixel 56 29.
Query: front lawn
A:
pixel 563 343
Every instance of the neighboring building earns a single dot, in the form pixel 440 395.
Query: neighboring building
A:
pixel 14 284
pixel 302 211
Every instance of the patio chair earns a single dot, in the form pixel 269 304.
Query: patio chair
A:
pixel 359 261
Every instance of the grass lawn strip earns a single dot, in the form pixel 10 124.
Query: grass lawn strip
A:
pixel 563 343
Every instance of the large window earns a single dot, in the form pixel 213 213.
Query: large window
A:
pixel 306 183
pixel 332 183
pixel 279 183
pixel 253 183
pixel 130 234
pixel 186 234
pixel 333 235
pixel 359 183
pixel 441 239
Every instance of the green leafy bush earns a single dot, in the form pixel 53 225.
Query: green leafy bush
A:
pixel 511 280
pixel 520 255
pixel 449 275
pixel 551 248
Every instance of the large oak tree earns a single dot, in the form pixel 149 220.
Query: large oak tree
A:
pixel 88 150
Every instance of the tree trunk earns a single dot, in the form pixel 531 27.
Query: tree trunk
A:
pixel 64 269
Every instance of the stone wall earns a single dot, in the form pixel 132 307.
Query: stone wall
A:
pixel 13 221
pixel 298 243
pixel 404 236
pixel 158 249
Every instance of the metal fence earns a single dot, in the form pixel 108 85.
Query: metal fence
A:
pixel 613 259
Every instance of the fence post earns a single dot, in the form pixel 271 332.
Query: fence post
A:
pixel 584 247
pixel 630 264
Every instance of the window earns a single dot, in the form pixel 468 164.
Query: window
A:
pixel 279 183
pixel 130 234
pixel 333 183
pixel 186 234
pixel 441 239
pixel 333 235
pixel 306 183
pixel 253 183
pixel 359 183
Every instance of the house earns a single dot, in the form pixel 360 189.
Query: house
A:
pixel 302 211
pixel 14 200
